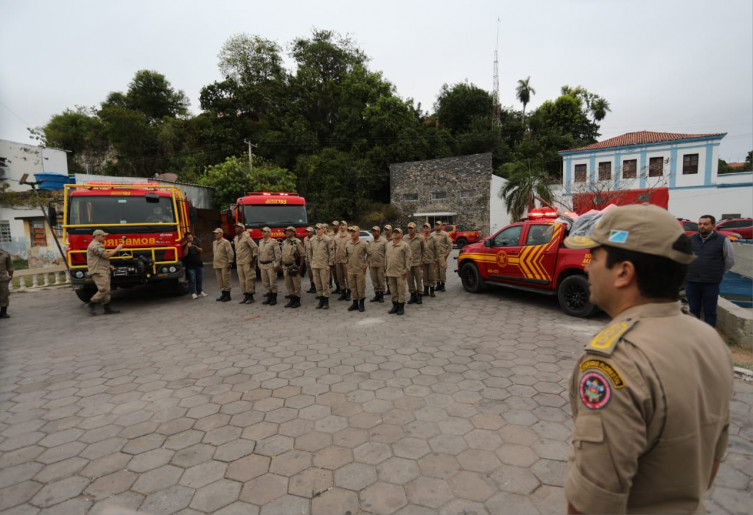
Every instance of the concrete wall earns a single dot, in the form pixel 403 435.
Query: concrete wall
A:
pixel 743 259
pixel 498 216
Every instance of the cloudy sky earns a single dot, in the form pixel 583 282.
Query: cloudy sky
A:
pixel 664 65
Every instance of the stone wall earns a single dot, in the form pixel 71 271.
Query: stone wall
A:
pixel 458 185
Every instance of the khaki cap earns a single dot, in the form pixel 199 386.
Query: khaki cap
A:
pixel 427 224
pixel 438 223
pixel 354 228
pixel 343 222
pixel 290 228
pixel 641 228
pixel 376 229
pixel 241 226
pixel 411 224
pixel 335 223
pixel 311 229
pixel 100 232
pixel 397 229
pixel 388 227
pixel 218 230
pixel 266 229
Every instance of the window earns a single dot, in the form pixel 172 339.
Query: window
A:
pixel 438 195
pixel 580 173
pixel 4 231
pixel 539 234
pixel 37 233
pixel 410 196
pixel 605 171
pixel 468 194
pixel 630 169
pixel 510 237
pixel 656 167
pixel 689 164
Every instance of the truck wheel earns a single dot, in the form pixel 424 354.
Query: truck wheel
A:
pixel 85 294
pixel 471 278
pixel 573 297
pixel 180 287
pixel 461 242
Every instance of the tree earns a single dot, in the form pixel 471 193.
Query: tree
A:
pixel 82 132
pixel 458 106
pixel 150 94
pixel 525 184
pixel 233 178
pixel 599 108
pixel 524 92
pixel 251 60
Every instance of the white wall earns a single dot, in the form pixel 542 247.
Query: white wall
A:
pixel 498 217
pixel 694 202
pixel 22 158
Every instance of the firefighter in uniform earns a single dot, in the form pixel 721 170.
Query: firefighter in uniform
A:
pixel 431 252
pixel 292 264
pixel 331 235
pixel 415 274
pixel 320 259
pixel 6 274
pixel 222 262
pixel 269 263
pixel 397 261
pixel 387 240
pixel 443 253
pixel 246 251
pixel 307 254
pixel 377 248
pixel 98 263
pixel 341 265
pixel 650 396
pixel 356 254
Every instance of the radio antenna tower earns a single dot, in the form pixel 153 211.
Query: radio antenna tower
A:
pixel 496 122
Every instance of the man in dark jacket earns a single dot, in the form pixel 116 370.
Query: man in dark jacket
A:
pixel 714 257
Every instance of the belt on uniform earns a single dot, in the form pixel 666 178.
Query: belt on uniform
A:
pixel 265 262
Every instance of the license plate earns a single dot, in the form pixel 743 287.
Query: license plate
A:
pixel 120 272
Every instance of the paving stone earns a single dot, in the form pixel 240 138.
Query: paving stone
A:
pixel 336 500
pixel 473 486
pixel 234 450
pixel 238 508
pixel 428 491
pixel 519 455
pixel 372 453
pixel 183 440
pixel 478 460
pixel 311 483
pixel 103 448
pixel 120 502
pixel 350 437
pixel 169 500
pixel 79 506
pixel 511 503
pixel 111 484
pixel 63 469
pixel 355 476
pixel 222 435
pixel 333 457
pixel 383 498
pixel 448 444
pixel 216 495
pixel 550 472
pixel 410 447
pixel 18 493
pixel 147 461
pixel 290 463
pixel 264 489
pixel 203 474
pixel 248 468
pixel 313 441
pixel 19 473
pixel 274 445
pixel 59 491
pixel 211 422
pixel 464 506
pixel 517 480
pixel 144 443
pixel 157 479
pixel 60 437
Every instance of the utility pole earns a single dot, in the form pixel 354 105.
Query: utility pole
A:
pixel 251 146
pixel 496 122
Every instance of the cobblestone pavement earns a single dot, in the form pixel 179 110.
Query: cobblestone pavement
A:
pixel 196 406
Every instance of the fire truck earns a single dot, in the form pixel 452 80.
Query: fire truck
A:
pixel 150 219
pixel 277 211
pixel 529 255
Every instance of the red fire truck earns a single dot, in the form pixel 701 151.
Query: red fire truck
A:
pixel 262 209
pixel 149 218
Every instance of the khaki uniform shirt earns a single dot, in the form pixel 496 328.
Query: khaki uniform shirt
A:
pixel 320 252
pixel 397 259
pixel 331 243
pixel 431 249
pixel 269 251
pixel 340 242
pixel 246 249
pixel 417 246
pixel 292 251
pixel 377 249
pixel 307 248
pixel 444 242
pixel 223 253
pixel 356 255
pixel 650 399
pixel 6 266
pixel 96 260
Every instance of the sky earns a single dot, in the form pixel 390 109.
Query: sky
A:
pixel 682 66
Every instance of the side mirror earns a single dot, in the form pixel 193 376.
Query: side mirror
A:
pixel 488 242
pixel 193 216
pixel 52 216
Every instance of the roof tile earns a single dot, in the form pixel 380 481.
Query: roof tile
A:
pixel 641 138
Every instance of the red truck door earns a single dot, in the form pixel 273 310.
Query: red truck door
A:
pixel 505 245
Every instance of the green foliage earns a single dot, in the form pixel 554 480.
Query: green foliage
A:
pixel 523 92
pixel 460 108
pixel 525 184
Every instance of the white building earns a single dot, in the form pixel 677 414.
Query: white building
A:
pixel 685 164
pixel 23 231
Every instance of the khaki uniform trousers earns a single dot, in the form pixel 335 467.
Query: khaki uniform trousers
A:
pixel 342 275
pixel 415 279
pixel 5 293
pixel 442 269
pixel 377 278
pixel 357 283
pixel 102 282
pixel 269 278
pixel 397 289
pixel 430 275
pixel 247 278
pixel 321 281
pixel 292 282
pixel 310 272
pixel 223 278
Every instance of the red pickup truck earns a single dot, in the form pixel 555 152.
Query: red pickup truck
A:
pixel 461 237
pixel 529 255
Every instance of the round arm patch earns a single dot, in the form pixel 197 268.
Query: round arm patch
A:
pixel 595 390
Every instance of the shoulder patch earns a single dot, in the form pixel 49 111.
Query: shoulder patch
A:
pixel 595 392
pixel 606 368
pixel 605 342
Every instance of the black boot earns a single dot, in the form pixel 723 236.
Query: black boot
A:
pixel 336 290
pixel 343 294
pixel 361 308
pixel 426 290
pixel 321 302
pixel 326 303
pixel 413 298
pixel 291 301
pixel 221 298
pixel 419 298
pixel 296 302
pixel 245 299
pixel 273 299
pixel 431 291
pixel 109 310
pixel 388 290
pixel 92 305
pixel 4 312
pixel 394 308
pixel 381 297
pixel 401 308
pixel 347 294
pixel 440 287
pixel 375 298
pixel 312 289
pixel 227 296
pixel 268 299
pixel 353 306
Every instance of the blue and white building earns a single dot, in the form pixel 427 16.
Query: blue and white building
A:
pixel 686 164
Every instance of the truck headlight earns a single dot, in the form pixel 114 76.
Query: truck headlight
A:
pixel 173 269
pixel 79 274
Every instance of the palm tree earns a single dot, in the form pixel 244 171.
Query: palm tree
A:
pixel 524 92
pixel 524 186
pixel 599 108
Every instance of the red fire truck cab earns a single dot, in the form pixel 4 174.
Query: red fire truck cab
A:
pixel 277 211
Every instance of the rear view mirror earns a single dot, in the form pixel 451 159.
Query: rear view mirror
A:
pixel 488 242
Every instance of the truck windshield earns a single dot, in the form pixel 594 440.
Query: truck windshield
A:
pixel 116 209
pixel 274 215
